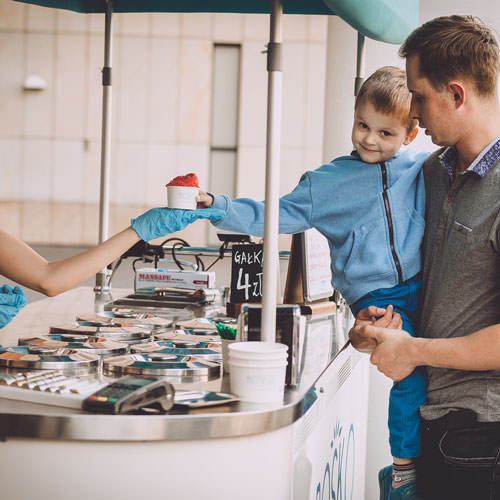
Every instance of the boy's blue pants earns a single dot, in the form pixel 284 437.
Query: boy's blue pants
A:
pixel 408 394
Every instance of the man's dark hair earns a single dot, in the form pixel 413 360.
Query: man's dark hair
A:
pixel 450 47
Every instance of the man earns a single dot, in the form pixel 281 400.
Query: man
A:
pixel 452 66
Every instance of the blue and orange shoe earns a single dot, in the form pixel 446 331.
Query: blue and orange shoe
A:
pixel 406 491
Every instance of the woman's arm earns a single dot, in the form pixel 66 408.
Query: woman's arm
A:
pixel 22 264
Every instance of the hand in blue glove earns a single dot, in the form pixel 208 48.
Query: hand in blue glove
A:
pixel 159 222
pixel 11 300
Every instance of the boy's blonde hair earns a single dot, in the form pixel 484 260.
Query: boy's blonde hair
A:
pixel 451 47
pixel 387 91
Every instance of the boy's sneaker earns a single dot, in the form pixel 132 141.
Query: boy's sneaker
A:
pixel 406 492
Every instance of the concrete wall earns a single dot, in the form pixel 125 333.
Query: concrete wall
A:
pixel 162 76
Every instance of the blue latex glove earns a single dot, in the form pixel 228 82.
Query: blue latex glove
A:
pixel 11 301
pixel 159 222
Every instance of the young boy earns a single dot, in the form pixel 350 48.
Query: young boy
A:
pixel 370 207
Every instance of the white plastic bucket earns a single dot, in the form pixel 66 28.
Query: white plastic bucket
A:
pixel 254 383
pixel 257 350
pixel 257 379
pixel 258 362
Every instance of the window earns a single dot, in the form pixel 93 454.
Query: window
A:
pixel 224 125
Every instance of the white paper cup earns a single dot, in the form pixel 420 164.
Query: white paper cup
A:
pixel 225 354
pixel 182 197
pixel 257 371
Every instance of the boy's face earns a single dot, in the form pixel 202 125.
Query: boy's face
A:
pixel 376 136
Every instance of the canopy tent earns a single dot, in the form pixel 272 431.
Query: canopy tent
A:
pixel 383 20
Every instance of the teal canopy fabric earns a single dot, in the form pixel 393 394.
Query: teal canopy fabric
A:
pixel 389 21
pixel 385 20
pixel 235 6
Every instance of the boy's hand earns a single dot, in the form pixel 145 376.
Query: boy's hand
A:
pixel 204 200
pixel 375 316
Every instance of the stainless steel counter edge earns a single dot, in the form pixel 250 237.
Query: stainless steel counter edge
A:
pixel 245 419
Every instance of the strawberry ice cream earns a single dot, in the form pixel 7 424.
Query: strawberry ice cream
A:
pixel 182 192
pixel 189 180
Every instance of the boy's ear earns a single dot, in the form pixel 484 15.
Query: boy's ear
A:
pixel 409 138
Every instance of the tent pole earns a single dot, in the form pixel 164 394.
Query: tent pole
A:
pixel 360 63
pixel 101 284
pixel 274 106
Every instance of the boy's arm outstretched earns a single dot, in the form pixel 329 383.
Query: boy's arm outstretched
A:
pixel 244 215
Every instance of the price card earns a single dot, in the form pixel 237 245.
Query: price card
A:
pixel 246 273
pixel 316 273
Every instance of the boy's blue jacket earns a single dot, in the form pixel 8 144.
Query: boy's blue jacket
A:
pixel 372 215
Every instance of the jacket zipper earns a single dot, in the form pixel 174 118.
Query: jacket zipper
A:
pixel 389 222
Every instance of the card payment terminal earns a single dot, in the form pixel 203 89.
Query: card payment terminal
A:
pixel 131 393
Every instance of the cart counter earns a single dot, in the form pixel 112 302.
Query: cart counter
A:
pixel 311 446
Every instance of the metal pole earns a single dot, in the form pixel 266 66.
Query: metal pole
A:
pixel 339 103
pixel 360 63
pixel 274 105
pixel 101 283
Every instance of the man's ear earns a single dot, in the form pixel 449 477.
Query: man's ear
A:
pixel 409 138
pixel 457 91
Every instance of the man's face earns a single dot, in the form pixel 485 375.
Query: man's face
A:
pixel 376 136
pixel 432 108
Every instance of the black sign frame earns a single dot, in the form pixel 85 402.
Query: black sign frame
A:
pixel 246 273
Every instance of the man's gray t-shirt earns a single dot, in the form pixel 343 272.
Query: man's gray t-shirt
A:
pixel 461 281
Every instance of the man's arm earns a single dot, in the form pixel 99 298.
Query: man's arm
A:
pixel 375 316
pixel 397 354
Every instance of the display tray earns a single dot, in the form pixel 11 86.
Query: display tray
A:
pixel 161 308
pixel 203 350
pixel 96 345
pixel 178 344
pixel 176 369
pixel 131 334
pixel 187 335
pixel 198 325
pixel 203 399
pixel 67 400
pixel 130 318
pixel 162 295
pixel 39 357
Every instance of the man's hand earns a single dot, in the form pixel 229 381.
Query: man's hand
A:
pixel 375 316
pixel 392 354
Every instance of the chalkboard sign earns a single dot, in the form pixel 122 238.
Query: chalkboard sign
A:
pixel 246 273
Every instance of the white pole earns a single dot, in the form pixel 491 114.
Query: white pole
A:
pixel 339 95
pixel 360 63
pixel 101 276
pixel 273 143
